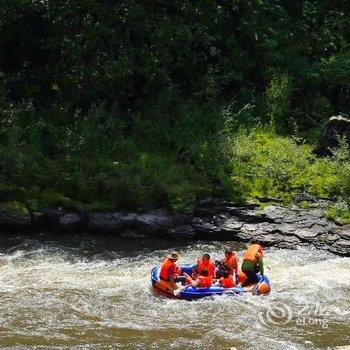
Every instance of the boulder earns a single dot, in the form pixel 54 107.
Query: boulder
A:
pixel 156 221
pixel 274 213
pixel 203 227
pixel 105 222
pixel 14 216
pixel 52 217
pixel 335 127
pixel 340 247
pixel 70 222
pixel 183 232
pixel 231 225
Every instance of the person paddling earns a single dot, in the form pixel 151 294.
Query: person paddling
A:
pixel 252 263
pixel 170 271
pixel 204 262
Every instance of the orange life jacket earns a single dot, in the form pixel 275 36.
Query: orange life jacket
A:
pixel 232 263
pixel 252 252
pixel 227 282
pixel 164 271
pixel 209 266
pixel 177 271
pixel 204 281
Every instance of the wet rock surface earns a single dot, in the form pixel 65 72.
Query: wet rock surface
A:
pixel 275 225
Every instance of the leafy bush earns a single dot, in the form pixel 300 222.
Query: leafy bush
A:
pixel 267 165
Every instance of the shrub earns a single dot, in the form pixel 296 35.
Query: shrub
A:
pixel 267 165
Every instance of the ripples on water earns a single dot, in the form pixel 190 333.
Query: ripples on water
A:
pixel 83 292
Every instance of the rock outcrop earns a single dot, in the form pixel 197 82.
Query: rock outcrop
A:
pixel 275 225
pixel 337 126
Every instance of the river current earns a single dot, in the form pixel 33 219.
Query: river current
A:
pixel 86 292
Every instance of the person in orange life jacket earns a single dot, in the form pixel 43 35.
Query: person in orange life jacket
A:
pixel 253 263
pixel 170 271
pixel 204 263
pixel 226 280
pixel 202 280
pixel 230 262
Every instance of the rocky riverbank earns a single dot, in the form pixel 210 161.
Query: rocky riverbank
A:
pixel 275 225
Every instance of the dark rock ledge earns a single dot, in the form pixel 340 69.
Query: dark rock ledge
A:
pixel 276 225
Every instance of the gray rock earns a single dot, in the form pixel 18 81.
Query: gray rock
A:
pixel 248 215
pixel 343 232
pixel 221 218
pixel 201 226
pixel 128 220
pixel 183 232
pixel 326 238
pixel 70 222
pixel 154 222
pixel 182 219
pixel 341 247
pixel 335 127
pixel 14 215
pixel 53 216
pixel 305 234
pixel 105 222
pixel 274 213
pixel 290 242
pixel 270 239
pixel 231 225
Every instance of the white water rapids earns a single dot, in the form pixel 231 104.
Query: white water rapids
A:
pixel 95 293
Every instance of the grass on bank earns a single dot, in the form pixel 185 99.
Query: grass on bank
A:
pixel 253 165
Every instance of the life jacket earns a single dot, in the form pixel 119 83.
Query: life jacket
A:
pixel 177 271
pixel 227 282
pixel 164 271
pixel 209 266
pixel 241 277
pixel 204 281
pixel 252 252
pixel 232 263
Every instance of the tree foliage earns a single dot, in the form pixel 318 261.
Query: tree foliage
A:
pixel 127 102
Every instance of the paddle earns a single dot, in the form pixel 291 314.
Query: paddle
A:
pixel 177 292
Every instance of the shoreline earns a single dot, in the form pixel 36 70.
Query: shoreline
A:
pixel 282 226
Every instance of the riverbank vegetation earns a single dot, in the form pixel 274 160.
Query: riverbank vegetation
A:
pixel 123 105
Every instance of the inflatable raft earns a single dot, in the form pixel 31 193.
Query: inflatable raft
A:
pixel 190 293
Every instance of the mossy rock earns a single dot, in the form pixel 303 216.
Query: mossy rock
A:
pixel 49 199
pixel 14 215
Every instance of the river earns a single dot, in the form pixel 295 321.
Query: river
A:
pixel 86 292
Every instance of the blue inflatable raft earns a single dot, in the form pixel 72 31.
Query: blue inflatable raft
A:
pixel 190 293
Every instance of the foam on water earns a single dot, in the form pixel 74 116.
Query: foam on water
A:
pixel 92 295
